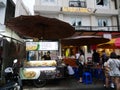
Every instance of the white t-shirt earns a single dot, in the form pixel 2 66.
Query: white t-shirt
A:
pixel 70 70
pixel 77 55
pixel 82 60
pixel 114 64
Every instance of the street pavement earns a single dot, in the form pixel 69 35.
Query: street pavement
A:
pixel 65 84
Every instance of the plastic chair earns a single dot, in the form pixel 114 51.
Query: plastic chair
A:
pixel 87 78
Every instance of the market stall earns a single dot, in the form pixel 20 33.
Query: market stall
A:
pixel 45 29
pixel 40 70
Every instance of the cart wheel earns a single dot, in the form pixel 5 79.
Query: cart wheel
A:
pixel 39 83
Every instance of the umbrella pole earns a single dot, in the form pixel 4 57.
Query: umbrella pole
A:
pixel 60 47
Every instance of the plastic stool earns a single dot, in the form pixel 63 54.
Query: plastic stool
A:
pixel 99 74
pixel 87 78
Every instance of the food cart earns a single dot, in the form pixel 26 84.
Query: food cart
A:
pixel 38 70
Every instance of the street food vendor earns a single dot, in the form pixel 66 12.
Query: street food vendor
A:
pixel 47 57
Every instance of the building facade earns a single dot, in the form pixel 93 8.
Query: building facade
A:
pixel 21 9
pixel 89 17
pixel 84 15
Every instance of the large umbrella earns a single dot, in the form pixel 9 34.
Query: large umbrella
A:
pixel 112 44
pixel 40 27
pixel 84 40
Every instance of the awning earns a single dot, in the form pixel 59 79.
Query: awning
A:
pixel 84 40
pixel 112 44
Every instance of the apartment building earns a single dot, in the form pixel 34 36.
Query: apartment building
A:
pixel 89 17
pixel 84 15
pixel 21 8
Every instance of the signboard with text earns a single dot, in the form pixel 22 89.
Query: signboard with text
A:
pixel 31 46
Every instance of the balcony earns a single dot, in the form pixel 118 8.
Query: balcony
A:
pixel 96 28
pixel 113 31
pixel 81 4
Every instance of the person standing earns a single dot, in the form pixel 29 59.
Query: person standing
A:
pixel 106 72
pixel 104 57
pixel 114 72
pixel 95 57
pixel 77 55
pixel 81 65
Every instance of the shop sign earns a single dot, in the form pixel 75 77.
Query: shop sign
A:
pixel 75 9
pixel 107 35
pixel 31 46
pixel 48 46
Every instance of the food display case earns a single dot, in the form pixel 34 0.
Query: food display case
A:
pixel 38 70
pixel 41 69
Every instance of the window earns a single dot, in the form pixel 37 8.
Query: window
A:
pixel 76 22
pixel 102 2
pixel 102 22
pixel 49 2
pixel 77 3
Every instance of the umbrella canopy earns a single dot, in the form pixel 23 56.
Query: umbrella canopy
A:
pixel 112 44
pixel 40 27
pixel 84 40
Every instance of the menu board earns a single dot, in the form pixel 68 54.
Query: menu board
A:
pixel 31 46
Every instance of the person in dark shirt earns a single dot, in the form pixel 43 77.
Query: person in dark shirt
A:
pixel 47 57
pixel 95 57
pixel 104 57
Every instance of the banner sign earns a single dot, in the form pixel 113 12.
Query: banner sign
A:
pixel 31 46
